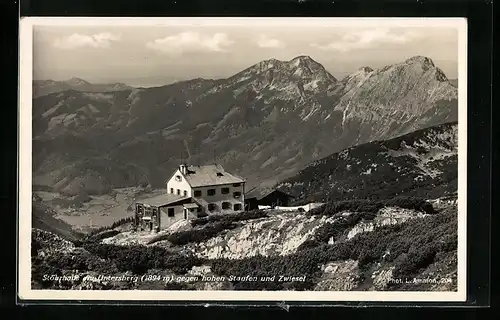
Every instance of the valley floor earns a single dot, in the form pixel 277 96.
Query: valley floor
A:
pixel 84 215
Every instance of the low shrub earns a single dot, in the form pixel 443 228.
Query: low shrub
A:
pixel 373 206
pixel 115 224
pixel 308 244
pixel 104 234
pixel 414 203
pixel 139 259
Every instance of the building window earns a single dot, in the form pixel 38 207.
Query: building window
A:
pixel 171 212
pixel 226 205
pixel 211 192
pixel 237 194
pixel 179 192
pixel 211 206
pixel 191 210
pixel 219 174
pixel 172 190
pixel 185 193
pixel 237 207
pixel 197 193
pixel 236 184
pixel 224 190
pixel 178 178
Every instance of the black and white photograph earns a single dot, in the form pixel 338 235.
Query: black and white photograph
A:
pixel 243 159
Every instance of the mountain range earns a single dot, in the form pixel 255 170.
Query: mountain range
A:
pixel 44 87
pixel 265 123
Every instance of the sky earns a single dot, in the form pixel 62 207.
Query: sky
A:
pixel 152 55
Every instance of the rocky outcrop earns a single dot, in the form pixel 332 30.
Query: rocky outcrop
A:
pixel 339 276
pixel 280 234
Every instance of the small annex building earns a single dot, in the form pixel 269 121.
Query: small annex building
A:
pixel 162 211
pixel 272 198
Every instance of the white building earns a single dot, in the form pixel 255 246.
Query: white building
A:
pixel 192 191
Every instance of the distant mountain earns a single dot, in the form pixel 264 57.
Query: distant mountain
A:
pixel 265 123
pixel 44 87
pixel 454 82
pixel 421 164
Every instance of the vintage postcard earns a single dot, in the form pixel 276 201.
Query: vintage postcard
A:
pixel 255 159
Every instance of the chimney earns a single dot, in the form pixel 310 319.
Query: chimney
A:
pixel 183 168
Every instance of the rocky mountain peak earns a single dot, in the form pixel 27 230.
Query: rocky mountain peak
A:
pixel 420 60
pixel 365 69
pixel 357 78
pixel 426 65
pixel 305 61
pixel 291 77
pixel 76 82
pixel 302 60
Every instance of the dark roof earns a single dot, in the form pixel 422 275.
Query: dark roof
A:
pixel 162 200
pixel 210 175
pixel 260 194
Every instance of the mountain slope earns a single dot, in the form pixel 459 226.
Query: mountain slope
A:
pixel 321 251
pixel 43 219
pixel 264 123
pixel 44 87
pixel 422 163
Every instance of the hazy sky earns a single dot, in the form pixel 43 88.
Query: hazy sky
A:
pixel 155 55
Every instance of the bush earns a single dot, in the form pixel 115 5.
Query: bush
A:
pixel 56 262
pixel 373 206
pixel 115 224
pixel 139 259
pixel 104 234
pixel 414 261
pixel 414 203
pixel 332 208
pixel 309 244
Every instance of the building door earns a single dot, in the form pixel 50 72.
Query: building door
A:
pixel 151 226
pixel 185 214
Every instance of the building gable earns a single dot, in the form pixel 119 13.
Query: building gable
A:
pixel 179 182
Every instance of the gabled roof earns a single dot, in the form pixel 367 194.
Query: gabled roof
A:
pixel 162 200
pixel 210 175
pixel 260 194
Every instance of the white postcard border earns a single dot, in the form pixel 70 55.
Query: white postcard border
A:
pixel 25 168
